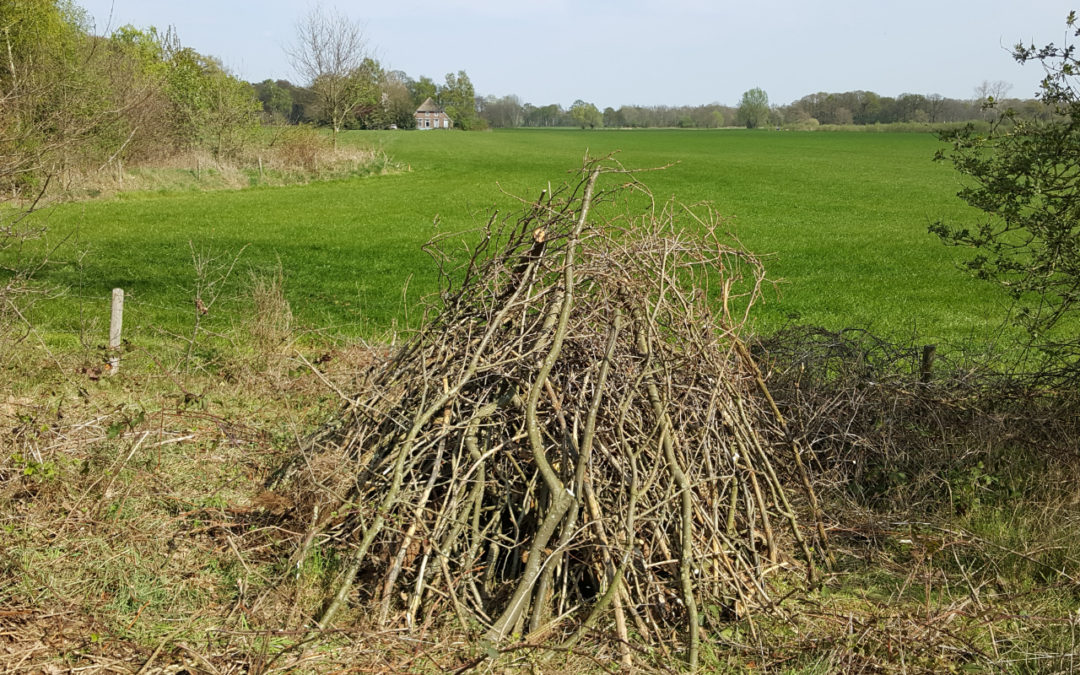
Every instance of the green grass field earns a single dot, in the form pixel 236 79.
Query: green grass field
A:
pixel 842 219
pixel 142 523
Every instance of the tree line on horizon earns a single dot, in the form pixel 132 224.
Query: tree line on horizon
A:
pixel 73 99
pixel 286 102
pixel 822 108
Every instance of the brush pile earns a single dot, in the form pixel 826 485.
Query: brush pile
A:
pixel 578 438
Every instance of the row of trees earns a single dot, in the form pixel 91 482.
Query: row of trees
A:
pixel 510 111
pixel 866 107
pixel 347 88
pixel 385 99
pixel 754 110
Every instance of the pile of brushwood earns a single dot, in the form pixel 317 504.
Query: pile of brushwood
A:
pixel 576 442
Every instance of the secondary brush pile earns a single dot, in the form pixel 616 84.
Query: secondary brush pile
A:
pixel 576 439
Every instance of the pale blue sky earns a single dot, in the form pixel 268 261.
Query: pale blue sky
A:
pixel 613 53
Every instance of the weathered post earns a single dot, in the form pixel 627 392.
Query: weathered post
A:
pixel 115 328
pixel 926 369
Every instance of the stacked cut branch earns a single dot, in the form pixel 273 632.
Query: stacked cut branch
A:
pixel 577 440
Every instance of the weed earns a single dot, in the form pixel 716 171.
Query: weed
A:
pixel 270 322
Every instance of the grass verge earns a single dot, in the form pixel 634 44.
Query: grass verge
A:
pixel 139 534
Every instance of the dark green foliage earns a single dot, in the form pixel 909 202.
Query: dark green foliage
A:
pixel 458 98
pixel 586 115
pixel 422 89
pixel 277 101
pixel 368 82
pixel 1024 174
pixel 753 108
pixel 284 101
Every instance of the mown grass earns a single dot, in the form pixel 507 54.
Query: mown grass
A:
pixel 842 217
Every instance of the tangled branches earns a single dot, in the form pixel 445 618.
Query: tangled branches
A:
pixel 890 438
pixel 578 433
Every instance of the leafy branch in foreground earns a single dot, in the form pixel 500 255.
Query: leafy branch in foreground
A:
pixel 1025 175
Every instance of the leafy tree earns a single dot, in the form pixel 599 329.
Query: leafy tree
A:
pixel 370 108
pixel 612 117
pixel 867 107
pixel 229 115
pixel 277 101
pixel 753 109
pixel 131 70
pixel 586 115
pixel 213 109
pixel 543 116
pixel 1024 174
pixel 505 112
pixel 304 104
pixel 399 100
pixel 51 108
pixel 458 98
pixel 422 90
pixel 50 99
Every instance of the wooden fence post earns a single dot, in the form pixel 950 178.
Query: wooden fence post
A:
pixel 926 369
pixel 115 328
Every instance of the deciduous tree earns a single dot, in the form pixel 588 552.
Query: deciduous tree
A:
pixel 1024 174
pixel 505 112
pixel 422 90
pixel 276 100
pixel 458 98
pixel 399 99
pixel 586 115
pixel 213 109
pixel 753 108
pixel 329 51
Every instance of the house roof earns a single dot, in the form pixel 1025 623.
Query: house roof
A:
pixel 429 106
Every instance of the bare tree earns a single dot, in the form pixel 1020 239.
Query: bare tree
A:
pixel 988 94
pixel 992 90
pixel 328 53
